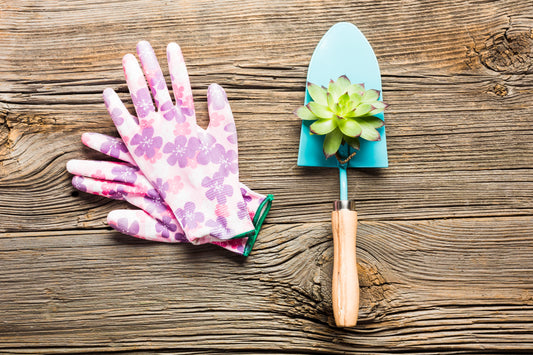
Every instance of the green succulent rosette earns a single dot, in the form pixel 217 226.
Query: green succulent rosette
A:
pixel 344 113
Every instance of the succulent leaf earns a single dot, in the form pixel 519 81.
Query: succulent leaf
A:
pixel 332 142
pixel 305 114
pixel 350 127
pixel 344 83
pixel 319 110
pixel 335 90
pixel 317 93
pixel 353 142
pixel 373 121
pixel 323 126
pixel 362 109
pixel 343 103
pixel 379 106
pixel 331 103
pixel 356 89
pixel 350 105
pixel 368 131
pixel 355 98
pixel 370 96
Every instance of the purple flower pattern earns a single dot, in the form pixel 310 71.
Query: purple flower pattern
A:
pixel 116 116
pixel 220 228
pixel 180 237
pixel 118 193
pixel 113 148
pixel 242 212
pixel 153 202
pixel 216 189
pixel 165 227
pixel 185 111
pixel 146 143
pixel 208 151
pixel 142 102
pixel 124 173
pixel 232 130
pixel 188 217
pixel 161 186
pixel 78 183
pixel 180 151
pixel 157 82
pixel 124 227
pixel 247 198
pixel 171 112
pixel 228 163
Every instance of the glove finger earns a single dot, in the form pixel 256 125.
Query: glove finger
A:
pixel 159 211
pixel 238 246
pixel 149 201
pixel 221 122
pixel 105 170
pixel 140 95
pixel 139 224
pixel 126 124
pixel 181 86
pixel 109 189
pixel 154 75
pixel 113 147
pixel 154 206
pixel 111 172
pixel 162 226
pixel 121 191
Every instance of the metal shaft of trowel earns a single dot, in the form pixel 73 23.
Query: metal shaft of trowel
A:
pixel 343 182
pixel 344 151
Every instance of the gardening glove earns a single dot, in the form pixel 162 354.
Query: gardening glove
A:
pixel 155 220
pixel 194 170
pixel 124 181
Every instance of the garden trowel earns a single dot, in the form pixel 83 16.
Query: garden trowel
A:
pixel 343 50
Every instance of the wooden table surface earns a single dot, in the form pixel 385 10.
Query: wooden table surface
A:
pixel 445 240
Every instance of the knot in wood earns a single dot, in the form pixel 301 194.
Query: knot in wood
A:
pixel 510 52
pixel 500 90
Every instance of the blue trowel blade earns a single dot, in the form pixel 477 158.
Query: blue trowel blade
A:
pixel 343 50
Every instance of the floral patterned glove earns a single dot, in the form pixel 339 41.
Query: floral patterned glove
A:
pixel 155 221
pixel 194 170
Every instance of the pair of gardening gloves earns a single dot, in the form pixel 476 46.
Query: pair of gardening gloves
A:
pixel 183 179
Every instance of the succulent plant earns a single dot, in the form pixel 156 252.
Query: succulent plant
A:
pixel 344 112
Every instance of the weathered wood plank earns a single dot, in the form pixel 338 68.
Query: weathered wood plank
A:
pixel 426 285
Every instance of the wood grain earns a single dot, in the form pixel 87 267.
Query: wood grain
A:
pixel 445 237
pixel 344 279
pixel 425 285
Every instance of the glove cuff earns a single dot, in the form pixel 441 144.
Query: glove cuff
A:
pixel 259 218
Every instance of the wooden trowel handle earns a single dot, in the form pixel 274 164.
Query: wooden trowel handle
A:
pixel 345 292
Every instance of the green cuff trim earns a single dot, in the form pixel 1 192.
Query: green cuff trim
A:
pixel 259 218
pixel 244 235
